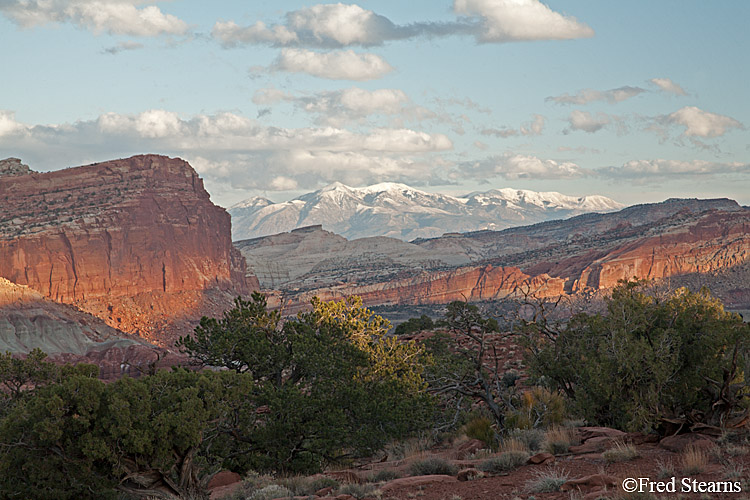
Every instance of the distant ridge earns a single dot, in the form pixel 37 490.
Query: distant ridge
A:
pixel 400 211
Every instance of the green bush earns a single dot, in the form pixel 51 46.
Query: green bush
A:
pixel 646 358
pixel 481 428
pixel 431 466
pixel 332 383
pixel 413 325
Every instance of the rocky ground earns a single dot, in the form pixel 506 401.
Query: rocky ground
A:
pixel 593 469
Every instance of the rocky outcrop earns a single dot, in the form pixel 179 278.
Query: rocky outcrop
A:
pixel 138 232
pixel 13 166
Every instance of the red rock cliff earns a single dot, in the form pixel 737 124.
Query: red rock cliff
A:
pixel 441 287
pixel 103 234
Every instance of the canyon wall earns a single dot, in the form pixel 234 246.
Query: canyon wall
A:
pixel 691 242
pixel 439 287
pixel 138 232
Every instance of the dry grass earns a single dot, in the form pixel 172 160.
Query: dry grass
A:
pixel 413 448
pixel 620 452
pixel 557 440
pixel 432 466
pixel 693 460
pixel 547 481
pixel 513 444
pixel 665 470
pixel 504 462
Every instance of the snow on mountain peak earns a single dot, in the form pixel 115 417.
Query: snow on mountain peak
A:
pixel 400 211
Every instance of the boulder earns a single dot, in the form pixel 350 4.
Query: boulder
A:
pixel 680 442
pixel 406 482
pixel 541 459
pixel 467 474
pixel 594 432
pixel 224 478
pixel 468 448
pixel 593 445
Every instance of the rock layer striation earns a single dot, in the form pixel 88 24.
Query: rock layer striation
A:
pixel 139 231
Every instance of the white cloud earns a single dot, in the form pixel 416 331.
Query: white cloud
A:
pixel 533 127
pixel 583 120
pixel 699 123
pixel 503 133
pixel 230 34
pixel 586 96
pixel 8 124
pixel 518 20
pixel 341 25
pixel 152 124
pixel 668 85
pixel 282 183
pixel 338 65
pixel 324 26
pixel 117 17
pixel 516 166
pixel 231 151
pixel 668 168
pixel 269 95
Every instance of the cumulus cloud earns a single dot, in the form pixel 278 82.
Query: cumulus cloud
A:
pixel 337 65
pixel 323 26
pixel 660 168
pixel 667 85
pixel 340 25
pixel 583 120
pixel 232 150
pixel 521 20
pixel 516 166
pixel 116 17
pixel 8 124
pixel 586 96
pixel 699 123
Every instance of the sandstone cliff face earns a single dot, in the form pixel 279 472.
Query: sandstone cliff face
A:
pixel 691 242
pixel 440 287
pixel 101 235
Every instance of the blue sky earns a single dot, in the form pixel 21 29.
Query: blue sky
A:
pixel 638 101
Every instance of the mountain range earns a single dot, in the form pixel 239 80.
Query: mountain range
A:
pixel 400 211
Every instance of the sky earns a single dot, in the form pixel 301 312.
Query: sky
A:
pixel 638 101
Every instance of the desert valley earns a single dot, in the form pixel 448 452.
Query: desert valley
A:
pixel 374 250
pixel 114 264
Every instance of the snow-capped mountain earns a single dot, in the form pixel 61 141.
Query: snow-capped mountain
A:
pixel 400 211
